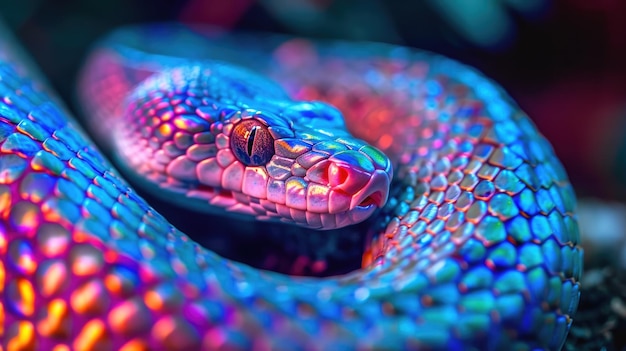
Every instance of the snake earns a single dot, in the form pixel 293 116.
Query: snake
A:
pixel 471 236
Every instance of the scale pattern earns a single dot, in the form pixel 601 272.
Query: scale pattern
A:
pixel 477 247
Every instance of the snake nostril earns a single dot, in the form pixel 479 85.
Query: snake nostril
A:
pixel 346 177
pixel 337 175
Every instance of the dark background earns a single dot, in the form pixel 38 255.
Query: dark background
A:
pixel 562 60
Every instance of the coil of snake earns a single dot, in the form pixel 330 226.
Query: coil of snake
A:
pixel 473 241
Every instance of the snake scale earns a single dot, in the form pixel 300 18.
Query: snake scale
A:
pixel 475 247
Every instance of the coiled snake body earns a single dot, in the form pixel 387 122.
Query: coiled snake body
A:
pixel 476 246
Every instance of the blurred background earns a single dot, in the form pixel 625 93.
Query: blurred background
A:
pixel 561 60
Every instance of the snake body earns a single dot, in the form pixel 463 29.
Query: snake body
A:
pixel 475 248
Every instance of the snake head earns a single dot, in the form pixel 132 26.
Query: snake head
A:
pixel 249 149
pixel 318 175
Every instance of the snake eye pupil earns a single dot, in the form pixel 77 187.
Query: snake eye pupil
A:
pixel 251 139
pixel 251 143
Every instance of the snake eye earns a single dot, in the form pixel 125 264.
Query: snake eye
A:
pixel 252 143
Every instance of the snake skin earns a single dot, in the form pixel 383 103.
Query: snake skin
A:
pixel 476 247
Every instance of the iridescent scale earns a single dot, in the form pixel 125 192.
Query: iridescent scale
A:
pixel 476 248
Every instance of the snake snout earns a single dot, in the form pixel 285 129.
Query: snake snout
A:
pixel 372 196
pixel 364 183
pixel 374 193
